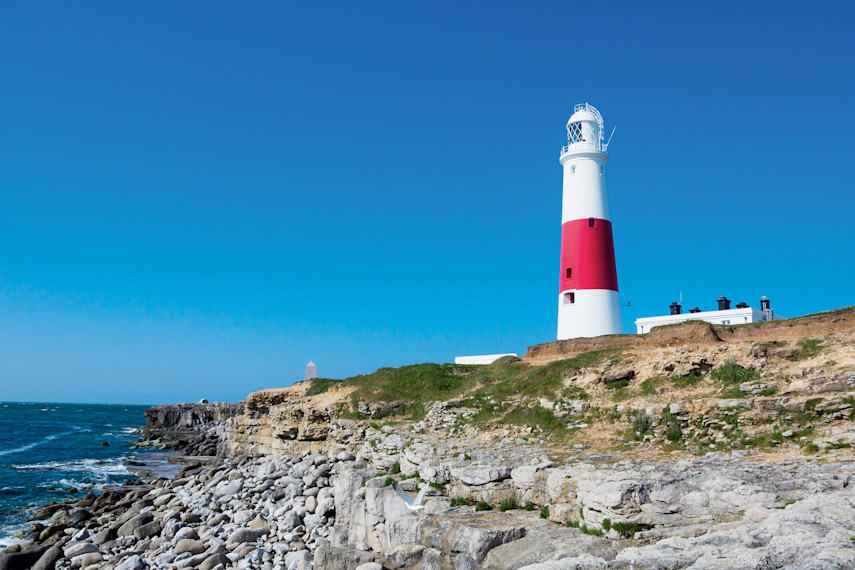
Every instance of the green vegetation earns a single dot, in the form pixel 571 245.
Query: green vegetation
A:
pixel 534 416
pixel 544 512
pixel 460 502
pixel 574 393
pixel 768 391
pixel 808 348
pixel 686 381
pixel 810 449
pixel 617 384
pixel 388 482
pixel 732 373
pixel 626 530
pixel 648 387
pixel 592 531
pixel 320 385
pixel 674 434
pixel 607 524
pixel 509 505
pixel 483 506
pixel 396 468
pixel 572 524
pixel 529 506
pixel 640 424
pixel 407 388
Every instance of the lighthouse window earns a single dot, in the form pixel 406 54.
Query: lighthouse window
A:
pixel 573 169
pixel 602 169
pixel 590 222
pixel 569 272
pixel 569 298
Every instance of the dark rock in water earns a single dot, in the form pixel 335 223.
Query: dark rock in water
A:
pixel 87 500
pixel 133 463
pixel 23 560
pixel 46 511
pixel 132 482
pixel 35 527
pixel 72 491
pixel 105 444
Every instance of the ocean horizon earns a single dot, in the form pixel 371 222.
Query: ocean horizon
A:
pixel 58 452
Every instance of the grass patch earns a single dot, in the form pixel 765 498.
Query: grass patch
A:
pixel 686 381
pixel 534 416
pixel 460 502
pixel 592 531
pixel 732 373
pixel 808 348
pixel 574 393
pixel 416 383
pixel 483 506
pixel 529 506
pixel 617 384
pixel 396 468
pixel 648 387
pixel 810 449
pixel 509 505
pixel 320 385
pixel 607 524
pixel 768 391
pixel 544 512
pixel 572 524
pixel 626 530
pixel 621 395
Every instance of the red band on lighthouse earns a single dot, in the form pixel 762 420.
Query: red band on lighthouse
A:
pixel 587 255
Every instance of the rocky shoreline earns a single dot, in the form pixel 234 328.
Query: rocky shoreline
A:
pixel 498 507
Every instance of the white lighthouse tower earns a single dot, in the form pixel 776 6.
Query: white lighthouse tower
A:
pixel 588 303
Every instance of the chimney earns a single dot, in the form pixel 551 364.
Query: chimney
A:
pixel 742 305
pixel 675 308
pixel 764 303
pixel 723 304
pixel 694 310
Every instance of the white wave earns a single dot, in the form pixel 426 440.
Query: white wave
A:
pixel 97 467
pixel 35 443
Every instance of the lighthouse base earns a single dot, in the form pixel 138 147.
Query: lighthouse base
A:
pixel 588 312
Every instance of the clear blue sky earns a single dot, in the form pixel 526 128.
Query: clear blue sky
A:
pixel 197 198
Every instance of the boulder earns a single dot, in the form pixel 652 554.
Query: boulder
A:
pixel 48 560
pixel 404 555
pixel 617 374
pixel 481 474
pixel 23 560
pixel 134 523
pixel 79 548
pixel 134 562
pixel 242 535
pixel 189 545
pixel 329 558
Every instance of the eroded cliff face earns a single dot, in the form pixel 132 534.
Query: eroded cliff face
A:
pixel 286 422
pixel 194 428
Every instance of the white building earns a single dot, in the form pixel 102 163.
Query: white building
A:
pixel 740 315
pixel 482 358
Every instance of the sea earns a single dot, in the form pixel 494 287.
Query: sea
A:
pixel 57 452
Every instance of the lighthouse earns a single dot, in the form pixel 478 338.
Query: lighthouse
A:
pixel 588 303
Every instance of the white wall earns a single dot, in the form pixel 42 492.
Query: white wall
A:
pixel 728 317
pixel 595 312
pixel 482 358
